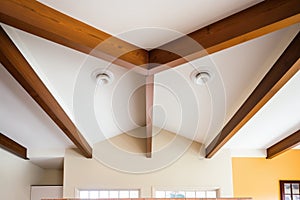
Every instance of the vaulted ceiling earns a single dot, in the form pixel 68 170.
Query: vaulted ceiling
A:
pixel 248 104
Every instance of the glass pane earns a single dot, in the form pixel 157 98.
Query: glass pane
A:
pixel 169 194
pixel 134 194
pixel 190 194
pixel 180 194
pixel 295 188
pixel 287 188
pixel 124 194
pixel 172 195
pixel 84 194
pixel 211 194
pixel 113 194
pixel 160 194
pixel 94 194
pixel 104 194
pixel 200 194
pixel 287 197
pixel 296 197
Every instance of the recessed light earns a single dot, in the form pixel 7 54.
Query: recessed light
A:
pixel 103 77
pixel 200 77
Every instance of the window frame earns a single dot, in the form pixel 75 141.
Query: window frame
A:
pixel 282 191
pixel 183 189
pixel 77 192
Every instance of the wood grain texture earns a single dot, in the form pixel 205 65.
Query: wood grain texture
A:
pixel 14 62
pixel 258 20
pixel 284 145
pixel 43 21
pixel 149 113
pixel 285 67
pixel 13 147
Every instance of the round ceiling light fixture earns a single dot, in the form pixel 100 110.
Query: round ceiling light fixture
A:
pixel 200 77
pixel 103 77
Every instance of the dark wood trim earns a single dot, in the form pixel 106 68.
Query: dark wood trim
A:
pixel 281 183
pixel 284 145
pixel 149 113
pixel 43 21
pixel 258 20
pixel 13 147
pixel 285 67
pixel 20 69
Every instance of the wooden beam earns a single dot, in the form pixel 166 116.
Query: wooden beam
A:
pixel 43 21
pixel 20 69
pixel 258 20
pixel 149 113
pixel 285 67
pixel 13 147
pixel 284 145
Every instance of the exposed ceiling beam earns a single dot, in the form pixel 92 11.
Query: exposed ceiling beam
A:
pixel 285 67
pixel 258 20
pixel 13 147
pixel 41 20
pixel 149 113
pixel 284 145
pixel 20 69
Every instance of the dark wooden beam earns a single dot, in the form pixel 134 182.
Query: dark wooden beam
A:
pixel 284 145
pixel 14 62
pixel 285 67
pixel 13 147
pixel 149 113
pixel 258 20
pixel 41 20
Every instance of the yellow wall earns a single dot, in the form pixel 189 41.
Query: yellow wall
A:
pixel 259 177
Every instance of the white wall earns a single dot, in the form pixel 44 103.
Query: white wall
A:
pixel 49 192
pixel 16 176
pixel 187 172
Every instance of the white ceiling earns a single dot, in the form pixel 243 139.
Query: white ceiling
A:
pixel 236 72
pixel 22 120
pixel 193 111
pixel 68 75
pixel 149 24
pixel 276 120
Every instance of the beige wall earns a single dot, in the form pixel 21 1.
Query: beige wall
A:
pixel 259 177
pixel 52 177
pixel 187 172
pixel 16 176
